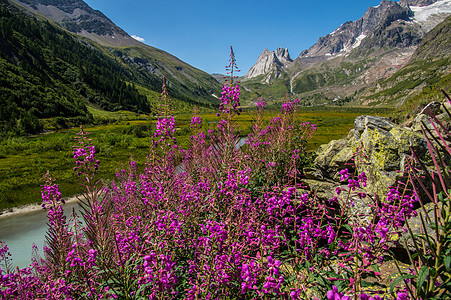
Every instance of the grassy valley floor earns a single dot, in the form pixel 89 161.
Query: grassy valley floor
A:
pixel 24 160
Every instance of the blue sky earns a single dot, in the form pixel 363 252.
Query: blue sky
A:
pixel 201 32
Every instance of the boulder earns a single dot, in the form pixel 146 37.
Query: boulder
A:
pixel 333 157
pixel 363 123
pixel 382 148
pixel 384 155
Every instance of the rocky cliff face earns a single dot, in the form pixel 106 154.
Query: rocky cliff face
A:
pixel 420 3
pixel 350 35
pixel 270 62
pixel 78 17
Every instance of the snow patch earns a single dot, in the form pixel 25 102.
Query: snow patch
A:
pixel 421 14
pixel 358 40
pixel 138 38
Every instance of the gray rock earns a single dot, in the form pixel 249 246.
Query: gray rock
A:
pixel 270 61
pixel 371 122
pixel 382 148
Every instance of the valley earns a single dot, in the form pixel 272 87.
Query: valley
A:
pixel 323 176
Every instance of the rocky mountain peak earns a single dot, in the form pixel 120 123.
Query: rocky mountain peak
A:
pixel 269 61
pixel 78 17
pixel 419 3
pixel 350 35
pixel 283 55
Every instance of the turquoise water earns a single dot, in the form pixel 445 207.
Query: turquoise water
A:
pixel 20 231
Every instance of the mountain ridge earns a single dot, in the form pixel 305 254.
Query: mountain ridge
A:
pixel 358 54
pixel 49 72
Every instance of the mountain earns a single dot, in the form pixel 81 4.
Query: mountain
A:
pixel 350 35
pixel 187 82
pixel 78 17
pixel 419 3
pixel 270 62
pixel 416 83
pixel 60 57
pixel 343 64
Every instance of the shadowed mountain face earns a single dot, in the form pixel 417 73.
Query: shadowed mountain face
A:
pixel 349 35
pixel 78 17
pixel 358 54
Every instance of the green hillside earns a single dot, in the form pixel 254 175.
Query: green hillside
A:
pixel 47 73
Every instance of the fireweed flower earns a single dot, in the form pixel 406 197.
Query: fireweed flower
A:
pixel 261 105
pixel 287 107
pixel 362 179
pixel 344 174
pixel 165 127
pixel 402 296
pixel 335 295
pixel 196 122
pixel 230 100
pixel 84 155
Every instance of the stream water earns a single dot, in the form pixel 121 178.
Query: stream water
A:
pixel 19 232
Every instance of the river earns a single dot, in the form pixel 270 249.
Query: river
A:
pixel 21 229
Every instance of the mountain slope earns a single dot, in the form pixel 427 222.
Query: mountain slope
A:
pixel 185 82
pixel 46 73
pixel 341 65
pixel 50 75
pixel 428 68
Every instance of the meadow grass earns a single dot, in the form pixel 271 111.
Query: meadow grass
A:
pixel 25 160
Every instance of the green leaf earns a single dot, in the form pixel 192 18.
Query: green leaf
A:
pixel 376 268
pixel 424 272
pixel 447 263
pixel 398 280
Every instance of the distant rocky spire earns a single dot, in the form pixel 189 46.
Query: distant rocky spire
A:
pixel 269 60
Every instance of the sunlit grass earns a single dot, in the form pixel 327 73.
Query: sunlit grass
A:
pixel 25 160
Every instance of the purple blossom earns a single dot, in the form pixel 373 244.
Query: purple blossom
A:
pixel 287 107
pixel 196 122
pixel 230 100
pixel 344 174
pixel 335 295
pixel 261 105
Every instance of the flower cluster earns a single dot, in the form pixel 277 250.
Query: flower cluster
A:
pixel 260 105
pixel 335 295
pixel 165 128
pixel 84 155
pixel 214 221
pixel 196 122
pixel 230 100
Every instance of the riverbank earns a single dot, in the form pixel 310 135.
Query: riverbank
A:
pixel 29 209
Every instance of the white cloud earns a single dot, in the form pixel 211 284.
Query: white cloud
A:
pixel 138 38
